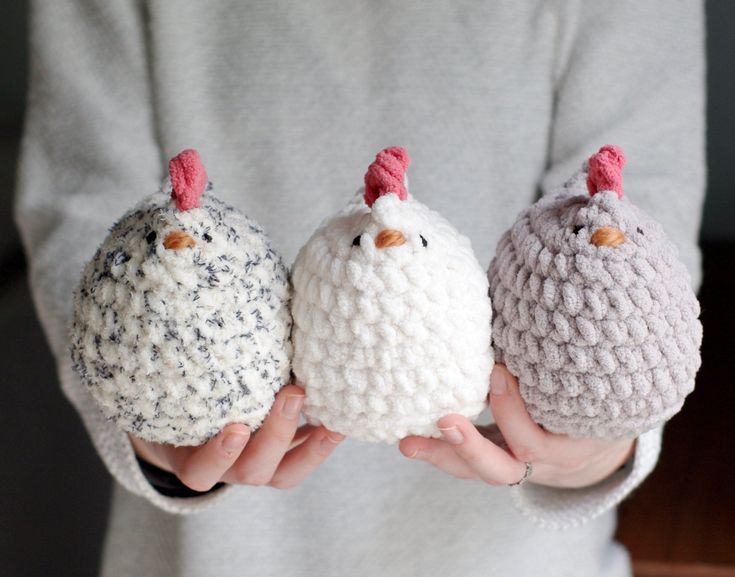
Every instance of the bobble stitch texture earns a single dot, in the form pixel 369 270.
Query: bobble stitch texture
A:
pixel 389 340
pixel 176 344
pixel 604 340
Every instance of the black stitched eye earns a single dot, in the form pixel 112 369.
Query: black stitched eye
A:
pixel 151 237
pixel 206 237
pixel 577 228
pixel 639 230
pixel 423 241
pixel 356 241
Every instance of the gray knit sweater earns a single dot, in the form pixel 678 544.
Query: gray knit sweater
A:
pixel 288 102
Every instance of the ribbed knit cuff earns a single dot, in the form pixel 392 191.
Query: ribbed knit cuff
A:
pixel 566 508
pixel 116 451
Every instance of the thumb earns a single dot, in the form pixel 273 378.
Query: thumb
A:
pixel 201 467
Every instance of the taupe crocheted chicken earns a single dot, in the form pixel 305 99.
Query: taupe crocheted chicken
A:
pixel 594 312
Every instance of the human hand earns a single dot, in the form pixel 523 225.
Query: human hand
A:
pixel 279 454
pixel 498 454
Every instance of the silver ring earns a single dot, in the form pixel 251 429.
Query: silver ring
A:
pixel 526 475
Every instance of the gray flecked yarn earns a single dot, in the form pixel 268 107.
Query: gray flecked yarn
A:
pixel 175 344
pixel 604 340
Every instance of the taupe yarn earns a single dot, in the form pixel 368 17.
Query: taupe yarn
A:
pixel 603 337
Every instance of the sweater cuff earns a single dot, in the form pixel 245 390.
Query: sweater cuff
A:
pixel 555 508
pixel 116 451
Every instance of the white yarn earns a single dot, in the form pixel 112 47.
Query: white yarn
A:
pixel 176 344
pixel 389 340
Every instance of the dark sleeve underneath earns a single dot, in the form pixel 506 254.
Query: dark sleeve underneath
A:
pixel 169 484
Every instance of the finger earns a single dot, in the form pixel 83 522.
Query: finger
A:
pixel 491 463
pixel 201 467
pixel 259 460
pixel 301 435
pixel 437 453
pixel 525 439
pixel 301 461
pixel 303 432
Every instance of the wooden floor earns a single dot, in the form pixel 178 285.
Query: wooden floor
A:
pixel 681 522
pixel 674 569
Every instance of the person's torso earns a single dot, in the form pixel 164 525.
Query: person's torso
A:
pixel 288 103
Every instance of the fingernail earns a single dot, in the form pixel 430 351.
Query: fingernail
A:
pixel 413 454
pixel 452 435
pixel 233 442
pixel 292 406
pixel 498 384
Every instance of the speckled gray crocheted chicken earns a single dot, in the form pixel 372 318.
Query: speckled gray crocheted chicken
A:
pixel 593 311
pixel 181 321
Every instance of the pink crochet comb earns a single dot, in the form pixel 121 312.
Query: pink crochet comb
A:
pixel 188 178
pixel 386 175
pixel 605 170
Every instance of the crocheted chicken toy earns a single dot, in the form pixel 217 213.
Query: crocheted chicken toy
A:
pixel 593 310
pixel 181 321
pixel 391 315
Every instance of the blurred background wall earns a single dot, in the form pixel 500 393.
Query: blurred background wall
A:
pixel 53 489
pixel 719 209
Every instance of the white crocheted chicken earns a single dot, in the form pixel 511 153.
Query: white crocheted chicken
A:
pixel 181 321
pixel 391 315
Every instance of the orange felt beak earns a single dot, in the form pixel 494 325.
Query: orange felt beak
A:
pixel 607 236
pixel 178 239
pixel 389 237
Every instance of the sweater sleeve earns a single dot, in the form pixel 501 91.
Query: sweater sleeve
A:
pixel 630 74
pixel 89 152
